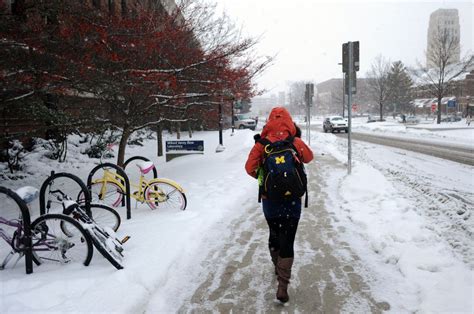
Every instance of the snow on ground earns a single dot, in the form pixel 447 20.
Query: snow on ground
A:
pixel 403 216
pixel 217 188
pixel 452 133
pixel 417 252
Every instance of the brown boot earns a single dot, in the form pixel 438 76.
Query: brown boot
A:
pixel 274 255
pixel 284 275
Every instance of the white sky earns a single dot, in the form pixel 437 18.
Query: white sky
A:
pixel 306 35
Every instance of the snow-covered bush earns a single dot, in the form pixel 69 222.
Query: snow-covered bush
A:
pixel 13 155
pixel 139 136
pixel 99 144
pixel 55 149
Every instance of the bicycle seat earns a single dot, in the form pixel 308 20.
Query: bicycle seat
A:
pixel 145 166
pixel 28 193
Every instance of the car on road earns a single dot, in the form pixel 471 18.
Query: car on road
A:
pixel 335 123
pixel 242 121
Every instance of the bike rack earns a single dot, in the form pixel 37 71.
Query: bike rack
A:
pixel 25 213
pixel 155 172
pixel 52 177
pixel 122 173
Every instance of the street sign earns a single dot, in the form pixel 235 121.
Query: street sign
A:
pixel 451 103
pixel 433 107
pixel 181 148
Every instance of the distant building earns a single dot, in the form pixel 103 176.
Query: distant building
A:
pixel 443 20
pixel 329 98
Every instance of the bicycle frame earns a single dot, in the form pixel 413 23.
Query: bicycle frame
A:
pixel 6 237
pixel 139 194
pixel 17 246
pixel 9 240
pixel 25 224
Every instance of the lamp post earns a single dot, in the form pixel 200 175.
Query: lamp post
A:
pixel 220 147
pixel 233 122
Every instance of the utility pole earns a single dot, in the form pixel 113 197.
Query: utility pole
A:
pixel 350 65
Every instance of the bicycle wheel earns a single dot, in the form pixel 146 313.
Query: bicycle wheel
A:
pixel 107 193
pixel 105 216
pixel 109 247
pixel 51 244
pixel 164 195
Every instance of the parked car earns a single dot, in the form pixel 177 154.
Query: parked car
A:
pixel 242 121
pixel 335 123
pixel 370 119
pixel 451 118
pixel 412 120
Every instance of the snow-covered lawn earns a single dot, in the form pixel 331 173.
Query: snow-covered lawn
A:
pixel 414 258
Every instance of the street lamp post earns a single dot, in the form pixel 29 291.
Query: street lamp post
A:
pixel 220 147
pixel 233 122
pixel 220 123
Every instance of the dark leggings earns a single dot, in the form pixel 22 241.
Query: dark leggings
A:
pixel 282 235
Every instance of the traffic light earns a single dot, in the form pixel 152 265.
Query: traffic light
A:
pixel 355 56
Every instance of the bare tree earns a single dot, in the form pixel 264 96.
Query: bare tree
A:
pixel 296 96
pixel 378 82
pixel 440 78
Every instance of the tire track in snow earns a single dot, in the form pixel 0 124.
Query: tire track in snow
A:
pixel 449 209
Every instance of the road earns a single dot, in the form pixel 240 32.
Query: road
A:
pixel 239 276
pixel 451 152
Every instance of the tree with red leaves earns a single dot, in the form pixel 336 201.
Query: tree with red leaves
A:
pixel 145 68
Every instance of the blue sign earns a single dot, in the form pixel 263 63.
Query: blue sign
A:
pixel 185 146
pixel 451 103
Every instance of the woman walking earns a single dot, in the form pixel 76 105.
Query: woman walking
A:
pixel 283 215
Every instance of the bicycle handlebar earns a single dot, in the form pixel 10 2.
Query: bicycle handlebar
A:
pixel 62 194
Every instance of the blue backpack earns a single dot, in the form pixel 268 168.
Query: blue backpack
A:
pixel 284 176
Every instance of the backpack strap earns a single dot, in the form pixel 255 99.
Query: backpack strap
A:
pixel 263 141
pixel 306 198
pixel 290 140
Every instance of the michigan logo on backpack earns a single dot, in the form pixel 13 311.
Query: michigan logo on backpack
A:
pixel 284 176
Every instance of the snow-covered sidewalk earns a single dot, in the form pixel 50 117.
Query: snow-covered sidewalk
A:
pixel 413 245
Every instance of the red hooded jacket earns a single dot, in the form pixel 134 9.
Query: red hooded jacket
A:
pixel 279 126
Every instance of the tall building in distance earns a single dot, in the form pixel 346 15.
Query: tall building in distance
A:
pixel 443 20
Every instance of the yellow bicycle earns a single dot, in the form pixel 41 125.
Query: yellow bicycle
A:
pixel 156 193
